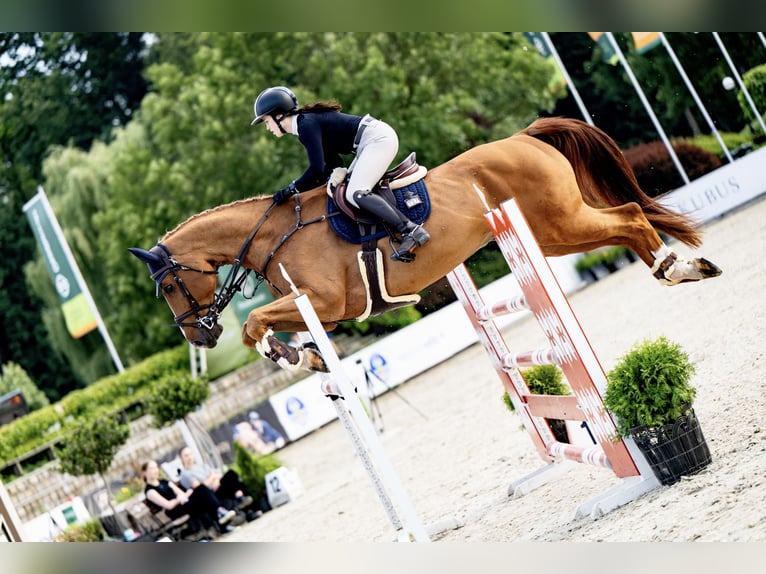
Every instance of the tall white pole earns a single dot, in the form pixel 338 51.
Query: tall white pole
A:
pixel 694 94
pixel 647 106
pixel 570 83
pixel 741 84
pixel 80 279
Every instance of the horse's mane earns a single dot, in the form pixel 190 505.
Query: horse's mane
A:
pixel 212 210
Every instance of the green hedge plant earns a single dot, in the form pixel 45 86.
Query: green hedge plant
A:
pixel 90 531
pixel 106 396
pixel 252 469
pixel 650 385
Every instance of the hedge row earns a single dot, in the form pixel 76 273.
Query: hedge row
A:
pixel 109 395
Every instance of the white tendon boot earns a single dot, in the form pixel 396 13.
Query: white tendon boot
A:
pixel 670 269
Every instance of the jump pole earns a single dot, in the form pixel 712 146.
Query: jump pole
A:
pixel 364 437
pixel 570 350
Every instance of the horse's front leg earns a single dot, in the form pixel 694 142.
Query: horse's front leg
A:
pixel 281 315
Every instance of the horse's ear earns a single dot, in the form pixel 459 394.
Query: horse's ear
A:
pixel 151 259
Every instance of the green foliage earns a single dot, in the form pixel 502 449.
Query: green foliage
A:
pixel 655 170
pixel 107 396
pixel 90 448
pixel 541 380
pixel 90 531
pixel 175 396
pixel 612 101
pixel 14 378
pixel 755 82
pixel 132 487
pixel 710 144
pixel 650 385
pixel 607 257
pixel 387 322
pixel 26 342
pixel 253 469
pixel 59 88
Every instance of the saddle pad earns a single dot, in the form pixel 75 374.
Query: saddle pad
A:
pixel 348 230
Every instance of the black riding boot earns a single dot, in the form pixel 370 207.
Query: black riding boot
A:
pixel 412 235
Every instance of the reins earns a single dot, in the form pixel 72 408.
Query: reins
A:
pixel 236 276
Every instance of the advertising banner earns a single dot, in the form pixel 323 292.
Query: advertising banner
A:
pixel 78 315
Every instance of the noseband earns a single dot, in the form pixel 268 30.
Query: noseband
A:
pixel 170 265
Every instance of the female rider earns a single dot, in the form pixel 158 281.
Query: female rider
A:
pixel 327 133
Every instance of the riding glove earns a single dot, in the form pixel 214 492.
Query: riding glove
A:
pixel 285 193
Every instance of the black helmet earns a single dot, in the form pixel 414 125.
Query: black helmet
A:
pixel 275 100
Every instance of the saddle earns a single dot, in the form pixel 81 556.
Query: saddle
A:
pixel 405 173
pixel 404 181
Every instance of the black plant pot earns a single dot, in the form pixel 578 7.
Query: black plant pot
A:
pixel 673 450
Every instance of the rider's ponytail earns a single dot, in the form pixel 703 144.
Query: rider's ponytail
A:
pixel 318 107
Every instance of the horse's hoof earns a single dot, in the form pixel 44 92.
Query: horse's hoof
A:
pixel 312 358
pixel 673 271
pixel 707 269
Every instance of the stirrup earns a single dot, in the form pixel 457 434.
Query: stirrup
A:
pixel 416 237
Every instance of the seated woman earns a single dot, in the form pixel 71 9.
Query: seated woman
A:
pixel 201 504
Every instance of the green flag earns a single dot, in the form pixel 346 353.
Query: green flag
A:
pixel 78 315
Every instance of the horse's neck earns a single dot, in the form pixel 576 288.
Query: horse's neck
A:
pixel 217 235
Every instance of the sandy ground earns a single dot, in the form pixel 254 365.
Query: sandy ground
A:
pixel 457 463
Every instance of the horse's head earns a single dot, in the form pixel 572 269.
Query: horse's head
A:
pixel 190 293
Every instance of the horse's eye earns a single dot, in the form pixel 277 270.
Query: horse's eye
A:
pixel 168 288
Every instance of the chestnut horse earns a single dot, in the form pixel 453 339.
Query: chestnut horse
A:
pixel 570 180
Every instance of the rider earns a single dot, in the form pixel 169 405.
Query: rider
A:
pixel 326 133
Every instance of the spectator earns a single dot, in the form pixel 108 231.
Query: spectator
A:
pixel 201 504
pixel 227 487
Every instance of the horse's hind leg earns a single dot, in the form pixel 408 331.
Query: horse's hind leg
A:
pixel 626 225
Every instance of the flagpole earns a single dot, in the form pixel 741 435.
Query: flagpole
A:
pixel 570 83
pixel 79 278
pixel 694 94
pixel 647 106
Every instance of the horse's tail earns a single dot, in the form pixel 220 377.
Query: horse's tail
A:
pixel 604 175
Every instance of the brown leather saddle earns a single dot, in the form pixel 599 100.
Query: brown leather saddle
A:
pixel 405 173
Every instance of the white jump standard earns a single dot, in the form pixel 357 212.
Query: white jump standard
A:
pixel 363 435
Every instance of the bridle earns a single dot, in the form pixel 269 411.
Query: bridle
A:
pixel 171 266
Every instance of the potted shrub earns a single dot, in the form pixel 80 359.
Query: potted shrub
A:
pixel 649 392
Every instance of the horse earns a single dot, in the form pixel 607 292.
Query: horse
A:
pixel 570 179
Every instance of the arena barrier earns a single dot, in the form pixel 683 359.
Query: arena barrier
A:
pixel 364 437
pixel 570 350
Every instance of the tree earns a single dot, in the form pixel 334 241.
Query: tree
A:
pixel 14 378
pixel 56 88
pixel 91 448
pixel 23 337
pixel 611 99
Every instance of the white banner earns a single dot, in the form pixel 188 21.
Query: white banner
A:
pixel 715 193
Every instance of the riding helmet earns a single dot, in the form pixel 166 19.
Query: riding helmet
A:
pixel 274 100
